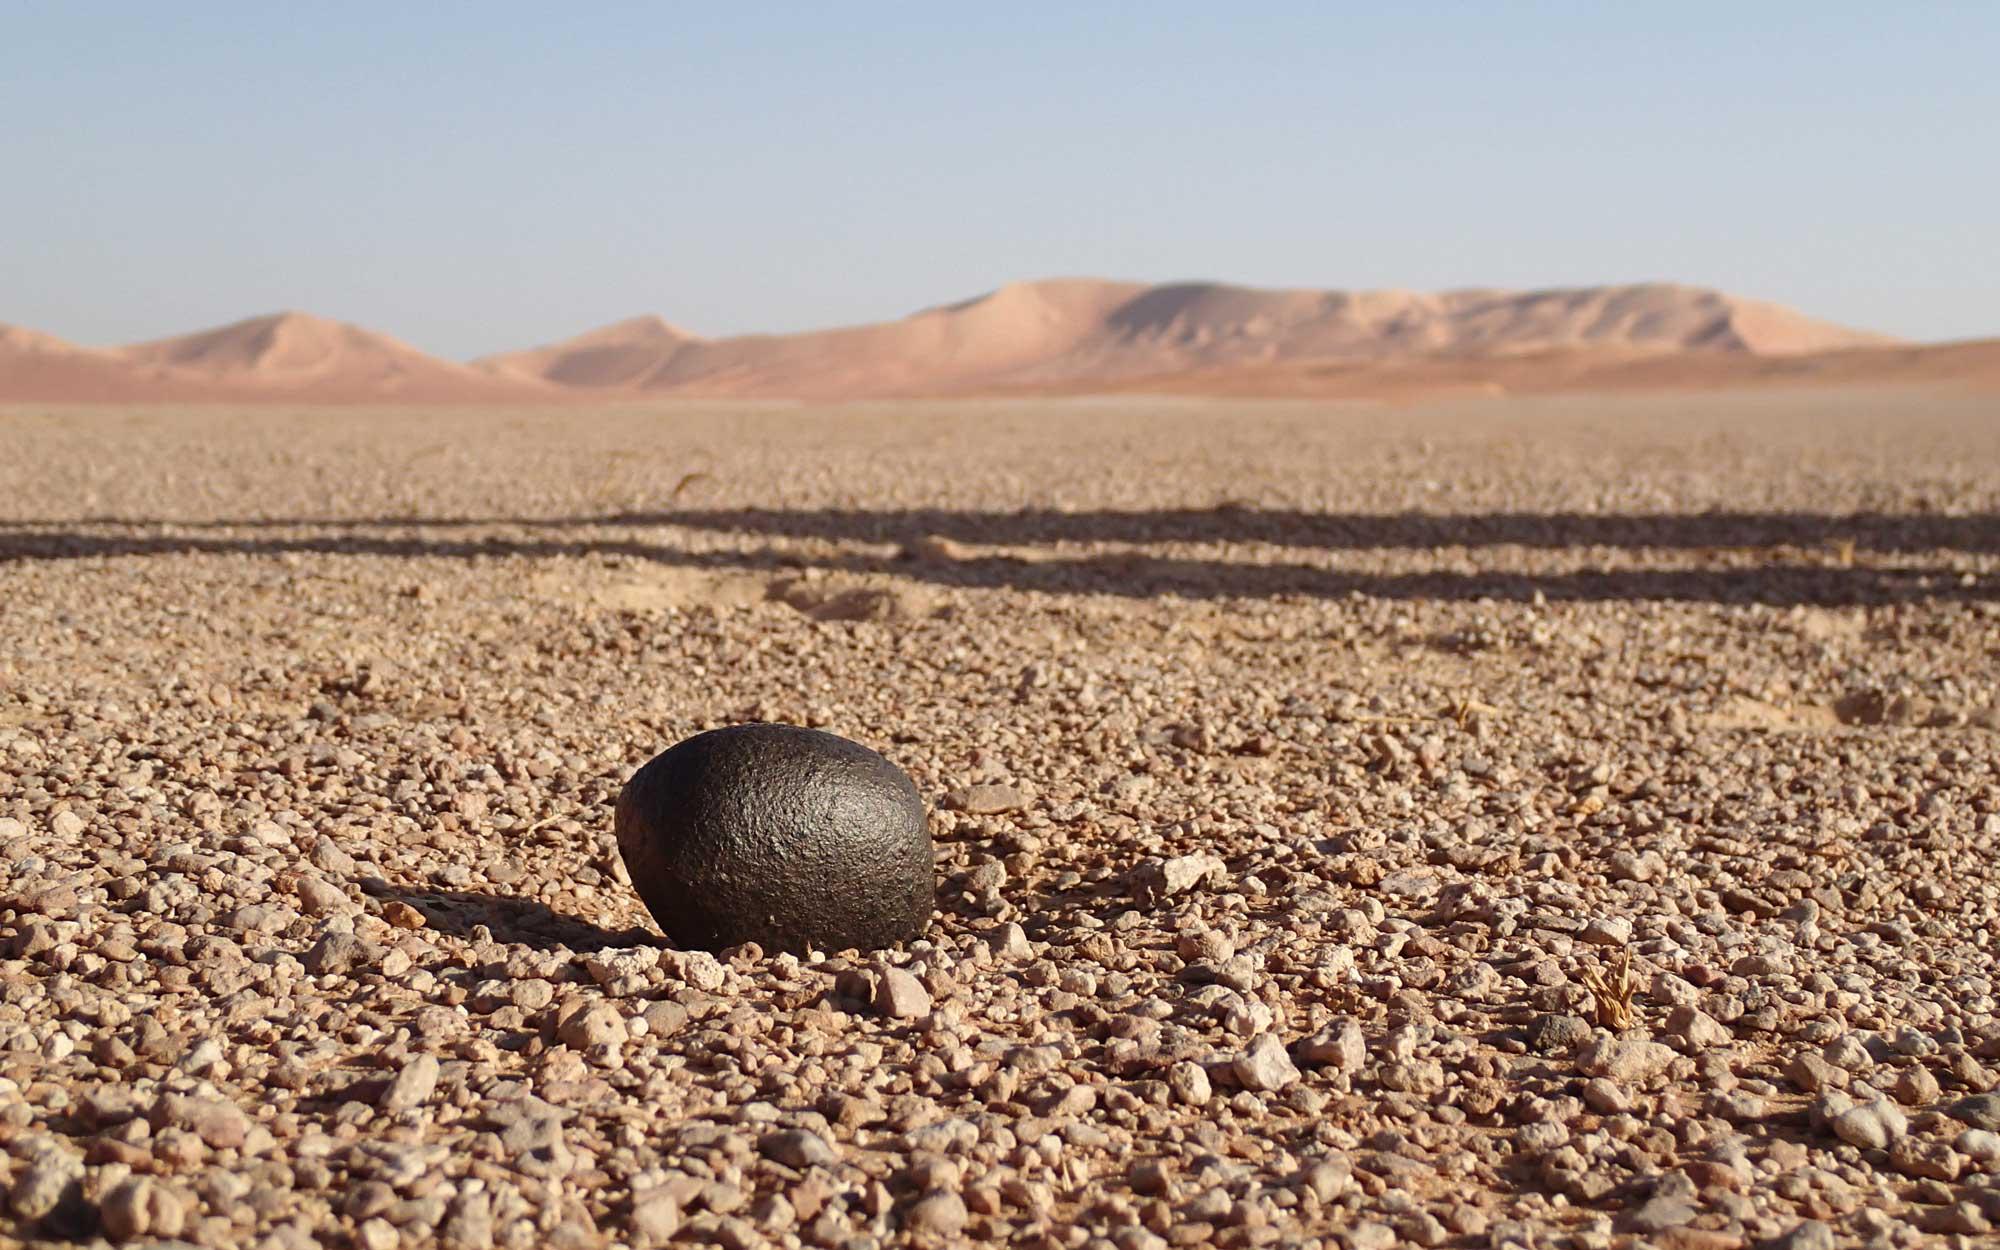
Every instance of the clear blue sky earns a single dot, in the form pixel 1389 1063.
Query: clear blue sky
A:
pixel 480 177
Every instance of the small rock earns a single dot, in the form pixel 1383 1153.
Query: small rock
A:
pixel 1370 1235
pixel 596 1025
pixel 1870 1125
pixel 413 1086
pixel 469 1223
pixel 798 1148
pixel 1264 1065
pixel 339 953
pixel 936 547
pixel 53 1180
pixel 1751 967
pixel 1811 1235
pixel 1163 878
pixel 1916 1087
pixel 698 969
pixel 1466 1220
pixel 1696 1029
pixel 222 1125
pixel 1342 1046
pixel 1010 942
pixel 1815 1075
pixel 401 915
pixel 531 993
pixel 656 1217
pixel 1737 1106
pixel 1979 1145
pixel 399 1164
pixel 1626 866
pixel 664 1018
pixel 1657 1214
pixel 1606 1096
pixel 1189 1083
pixel 1926 1160
pixel 940 1214
pixel 899 995
pixel 1980 1111
pixel 202 1058
pixel 1959 1217
pixel 986 800
pixel 377 1233
pixel 1542 1136
pixel 319 897
pixel 56 902
pixel 1150 1176
pixel 1848 1052
pixel 1627 1060
pixel 329 858
pixel 1556 1034
pixel 622 972
pixel 1607 931
pixel 1328 1178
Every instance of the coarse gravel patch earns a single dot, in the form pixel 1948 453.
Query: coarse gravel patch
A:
pixel 1295 770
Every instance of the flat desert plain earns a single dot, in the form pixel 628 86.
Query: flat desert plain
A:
pixel 1565 821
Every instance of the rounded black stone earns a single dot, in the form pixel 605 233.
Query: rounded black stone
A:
pixel 778 835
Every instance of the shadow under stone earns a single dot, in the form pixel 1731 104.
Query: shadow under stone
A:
pixel 516 921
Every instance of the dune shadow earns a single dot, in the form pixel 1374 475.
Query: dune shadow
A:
pixel 1775 559
pixel 515 921
pixel 1356 531
pixel 1886 532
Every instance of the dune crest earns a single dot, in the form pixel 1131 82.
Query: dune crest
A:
pixel 1058 335
pixel 317 358
pixel 21 340
pixel 1074 333
pixel 298 356
pixel 620 354
pixel 40 367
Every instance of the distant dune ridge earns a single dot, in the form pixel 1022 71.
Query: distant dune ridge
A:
pixel 622 354
pixel 297 355
pixel 1061 335
pixel 283 356
pixel 37 366
pixel 1079 331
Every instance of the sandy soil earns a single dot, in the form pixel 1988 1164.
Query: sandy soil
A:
pixel 1298 771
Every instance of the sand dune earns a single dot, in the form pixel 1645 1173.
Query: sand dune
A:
pixel 42 368
pixel 297 355
pixel 1010 329
pixel 287 356
pixel 617 355
pixel 1086 332
pixel 1061 336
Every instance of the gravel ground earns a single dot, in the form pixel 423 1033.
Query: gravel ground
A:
pixel 1553 824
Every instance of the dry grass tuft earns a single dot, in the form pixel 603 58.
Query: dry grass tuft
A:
pixel 1613 994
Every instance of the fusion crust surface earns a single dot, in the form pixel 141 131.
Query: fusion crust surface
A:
pixel 778 835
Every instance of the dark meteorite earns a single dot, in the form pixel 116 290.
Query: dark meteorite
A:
pixel 778 835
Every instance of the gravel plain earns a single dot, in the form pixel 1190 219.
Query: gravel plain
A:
pixel 1567 823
